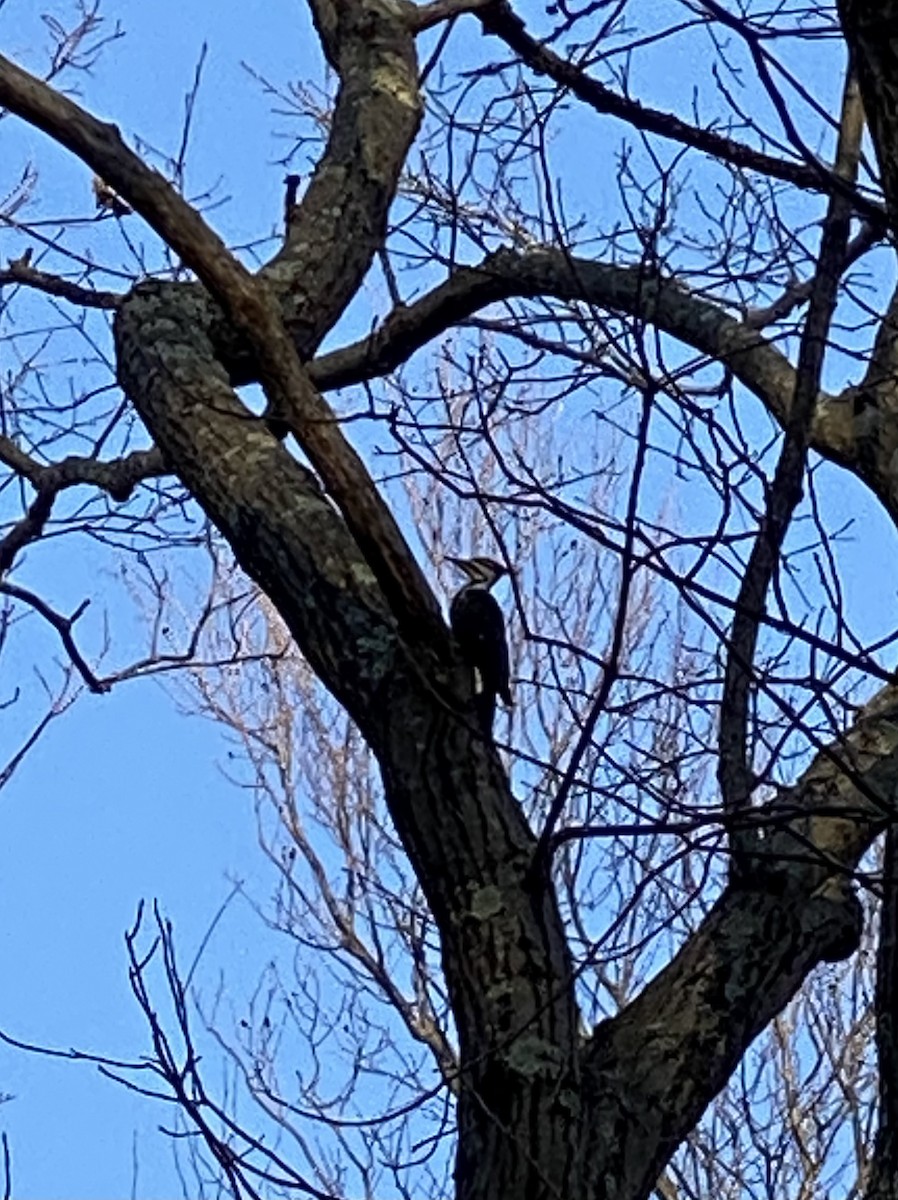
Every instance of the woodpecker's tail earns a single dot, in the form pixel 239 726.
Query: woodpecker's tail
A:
pixel 485 707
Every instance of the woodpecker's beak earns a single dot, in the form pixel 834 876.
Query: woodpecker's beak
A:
pixel 461 563
pixel 474 567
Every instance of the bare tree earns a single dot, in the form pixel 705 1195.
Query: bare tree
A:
pixel 602 910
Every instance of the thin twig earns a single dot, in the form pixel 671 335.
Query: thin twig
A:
pixel 63 626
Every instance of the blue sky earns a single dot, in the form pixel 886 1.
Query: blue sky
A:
pixel 99 817
pixel 98 820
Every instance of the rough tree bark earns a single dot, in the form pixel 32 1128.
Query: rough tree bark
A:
pixel 543 1111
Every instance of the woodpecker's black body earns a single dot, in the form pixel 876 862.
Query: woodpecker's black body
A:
pixel 479 628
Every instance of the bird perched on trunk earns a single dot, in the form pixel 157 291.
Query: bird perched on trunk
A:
pixel 479 628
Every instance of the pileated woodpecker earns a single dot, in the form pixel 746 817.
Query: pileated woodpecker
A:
pixel 479 628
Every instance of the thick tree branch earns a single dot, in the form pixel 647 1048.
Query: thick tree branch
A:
pixel 870 32
pixel 427 15
pixel 879 386
pixel 26 530
pixel 18 272
pixel 883 1183
pixel 653 1070
pixel 663 302
pixel 545 271
pixel 341 221
pixel 117 476
pixel 253 489
pixel 869 27
pixel 252 309
pixel 506 961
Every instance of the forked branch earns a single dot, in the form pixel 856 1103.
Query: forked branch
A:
pixel 255 313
